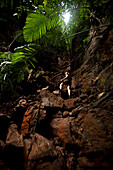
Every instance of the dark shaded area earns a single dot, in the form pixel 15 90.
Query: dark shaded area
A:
pixel 12 155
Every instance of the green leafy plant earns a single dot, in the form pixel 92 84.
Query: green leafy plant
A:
pixel 45 18
pixel 15 66
pixel 86 40
pixel 37 24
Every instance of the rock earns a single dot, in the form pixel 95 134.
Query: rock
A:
pixel 61 128
pixel 73 83
pixel 41 153
pixel 65 113
pixel 42 115
pixel 57 141
pixel 30 119
pixel 13 151
pixel 83 96
pixel 69 104
pixel 13 137
pixel 41 147
pixel 84 162
pixel 18 110
pixel 103 99
pixel 71 162
pixel 56 92
pixel 45 88
pixel 2 145
pixel 100 95
pixel 95 136
pixel 77 100
pixel 105 78
pixel 50 100
pixel 22 102
pixel 76 111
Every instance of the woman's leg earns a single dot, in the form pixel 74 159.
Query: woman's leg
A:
pixel 69 91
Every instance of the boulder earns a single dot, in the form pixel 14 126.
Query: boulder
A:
pixel 29 120
pixel 60 127
pixel 50 100
pixel 13 137
pixel 40 153
pixel 69 104
pixel 13 150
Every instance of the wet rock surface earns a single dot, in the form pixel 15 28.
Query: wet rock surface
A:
pixel 45 131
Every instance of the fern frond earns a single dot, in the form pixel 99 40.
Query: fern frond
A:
pixel 17 57
pixel 45 2
pixel 38 24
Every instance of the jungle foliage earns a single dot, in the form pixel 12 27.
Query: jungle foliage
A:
pixel 14 66
pixel 44 28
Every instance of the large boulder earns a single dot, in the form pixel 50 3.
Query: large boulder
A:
pixel 29 119
pixel 40 153
pixel 50 100
pixel 13 150
pixel 60 127
pixel 13 136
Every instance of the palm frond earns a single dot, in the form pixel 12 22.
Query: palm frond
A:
pixel 14 66
pixel 38 24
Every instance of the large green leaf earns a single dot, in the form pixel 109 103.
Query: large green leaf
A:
pixel 38 24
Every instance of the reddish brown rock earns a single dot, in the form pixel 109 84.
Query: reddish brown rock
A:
pixel 73 83
pixel 41 153
pixel 83 96
pixel 13 137
pixel 50 100
pixel 13 150
pixel 65 113
pixel 29 119
pixel 61 128
pixel 93 129
pixel 69 104
pixel 76 111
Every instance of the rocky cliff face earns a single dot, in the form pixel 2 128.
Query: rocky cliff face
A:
pixel 45 131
